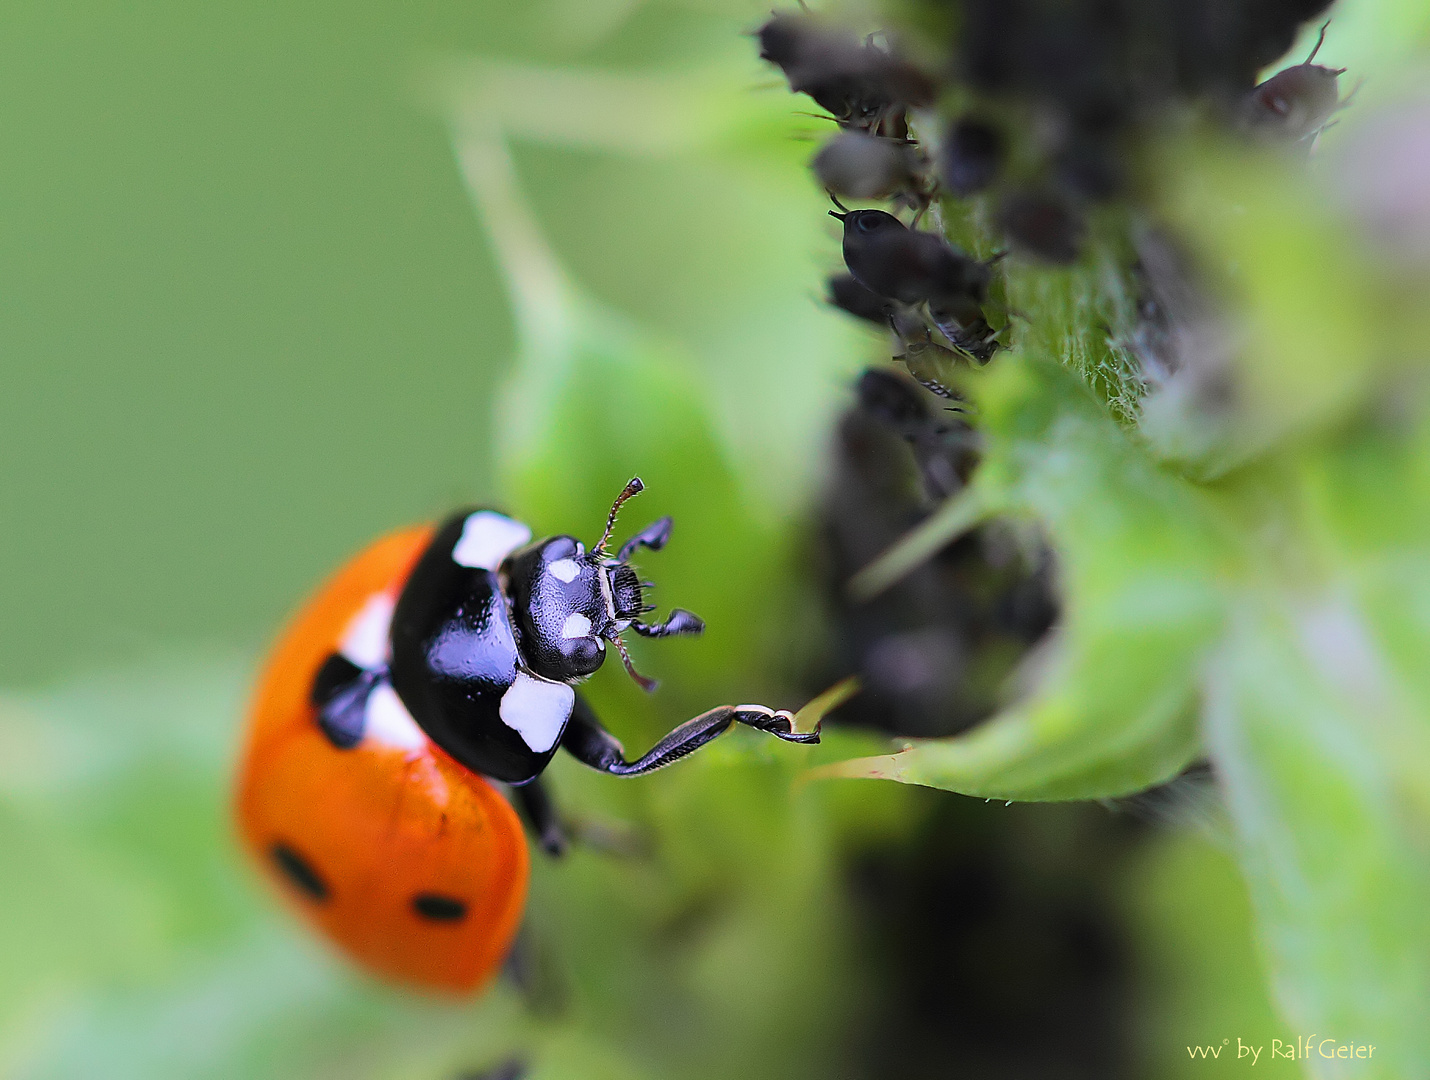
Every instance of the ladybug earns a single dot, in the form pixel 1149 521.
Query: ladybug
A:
pixel 441 662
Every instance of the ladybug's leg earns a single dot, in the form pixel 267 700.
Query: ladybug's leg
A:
pixel 340 692
pixel 678 622
pixel 540 813
pixel 514 1069
pixel 590 743
pixel 653 536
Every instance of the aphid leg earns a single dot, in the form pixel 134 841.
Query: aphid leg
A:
pixel 591 744
pixel 1345 101
pixel 541 816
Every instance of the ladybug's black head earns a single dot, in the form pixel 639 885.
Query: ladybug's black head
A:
pixel 568 602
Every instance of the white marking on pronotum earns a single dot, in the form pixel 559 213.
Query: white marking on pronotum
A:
pixel 564 569
pixel 576 626
pixel 537 710
pixel 364 641
pixel 488 538
pixel 389 722
pixel 604 577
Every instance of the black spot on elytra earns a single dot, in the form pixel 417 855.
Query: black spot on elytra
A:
pixel 438 908
pixel 299 872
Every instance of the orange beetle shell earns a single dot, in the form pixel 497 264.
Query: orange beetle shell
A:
pixel 382 824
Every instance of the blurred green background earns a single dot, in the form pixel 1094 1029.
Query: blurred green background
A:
pixel 249 320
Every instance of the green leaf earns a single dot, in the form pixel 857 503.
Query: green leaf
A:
pixel 1331 832
pixel 1319 723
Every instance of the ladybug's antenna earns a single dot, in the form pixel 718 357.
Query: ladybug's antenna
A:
pixel 645 684
pixel 630 491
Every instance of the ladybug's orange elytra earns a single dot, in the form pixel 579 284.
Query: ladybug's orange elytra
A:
pixel 412 863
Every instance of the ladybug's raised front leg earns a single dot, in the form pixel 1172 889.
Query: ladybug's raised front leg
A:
pixel 590 743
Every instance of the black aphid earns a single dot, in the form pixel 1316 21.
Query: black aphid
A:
pixel 1042 225
pixel 973 154
pixel 860 84
pixel 858 165
pixel 848 295
pixel 899 263
pixel 1294 103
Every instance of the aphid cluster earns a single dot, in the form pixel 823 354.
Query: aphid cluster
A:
pixel 1030 116
pixel 907 279
pixel 933 650
pixel 862 86
pixel 1023 131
